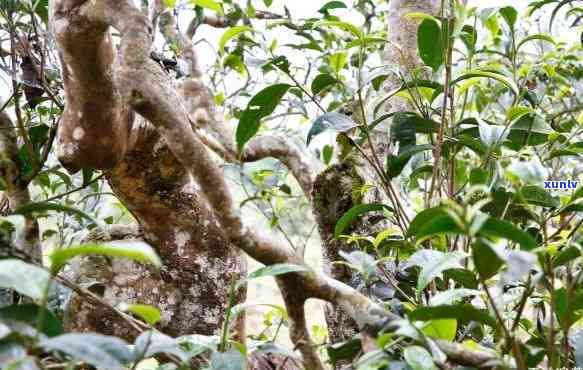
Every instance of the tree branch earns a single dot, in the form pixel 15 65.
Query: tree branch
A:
pixel 150 92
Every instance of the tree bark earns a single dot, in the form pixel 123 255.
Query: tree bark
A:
pixel 100 130
pixel 176 151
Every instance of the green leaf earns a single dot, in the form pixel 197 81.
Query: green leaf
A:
pixel 275 270
pixel 430 43
pixel 338 61
pixel 26 279
pixel 530 129
pixel 241 307
pixel 432 264
pixel 335 4
pixel 209 4
pixel 333 121
pixel 469 36
pixel 170 3
pixel 533 194
pixel 132 249
pixel 486 260
pixel 230 360
pixel 47 206
pixel 510 15
pixel 260 106
pixel 395 164
pixel 353 213
pixel 230 34
pixel 149 314
pixel 327 153
pixel 568 309
pixel 433 221
pixel 441 329
pixel 403 130
pixel 29 314
pixel 345 26
pixel 538 36
pixel 506 230
pixel 566 255
pixel 462 312
pixel 418 358
pixel 365 42
pixel 102 351
pixel 517 112
pixel 486 74
pixel 322 82
pixel 87 174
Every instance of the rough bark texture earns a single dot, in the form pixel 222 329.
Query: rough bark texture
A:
pixel 143 87
pixel 336 190
pixel 99 130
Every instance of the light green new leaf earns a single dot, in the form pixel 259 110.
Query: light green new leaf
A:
pixel 230 34
pixel 274 270
pixel 132 249
pixel 209 4
pixel 345 26
pixel 486 74
pixel 441 329
pixel 421 16
pixel 146 312
pixel 26 279
pixel 237 309
pixel 48 206
pixel 538 36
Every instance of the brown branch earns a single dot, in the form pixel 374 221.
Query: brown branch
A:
pixel 299 334
pixel 151 93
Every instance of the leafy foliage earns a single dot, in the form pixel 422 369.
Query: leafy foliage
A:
pixel 472 247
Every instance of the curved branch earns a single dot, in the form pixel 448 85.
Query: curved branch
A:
pixel 287 153
pixel 151 93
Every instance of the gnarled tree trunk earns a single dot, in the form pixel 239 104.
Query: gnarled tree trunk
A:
pixel 163 171
pixel 100 130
